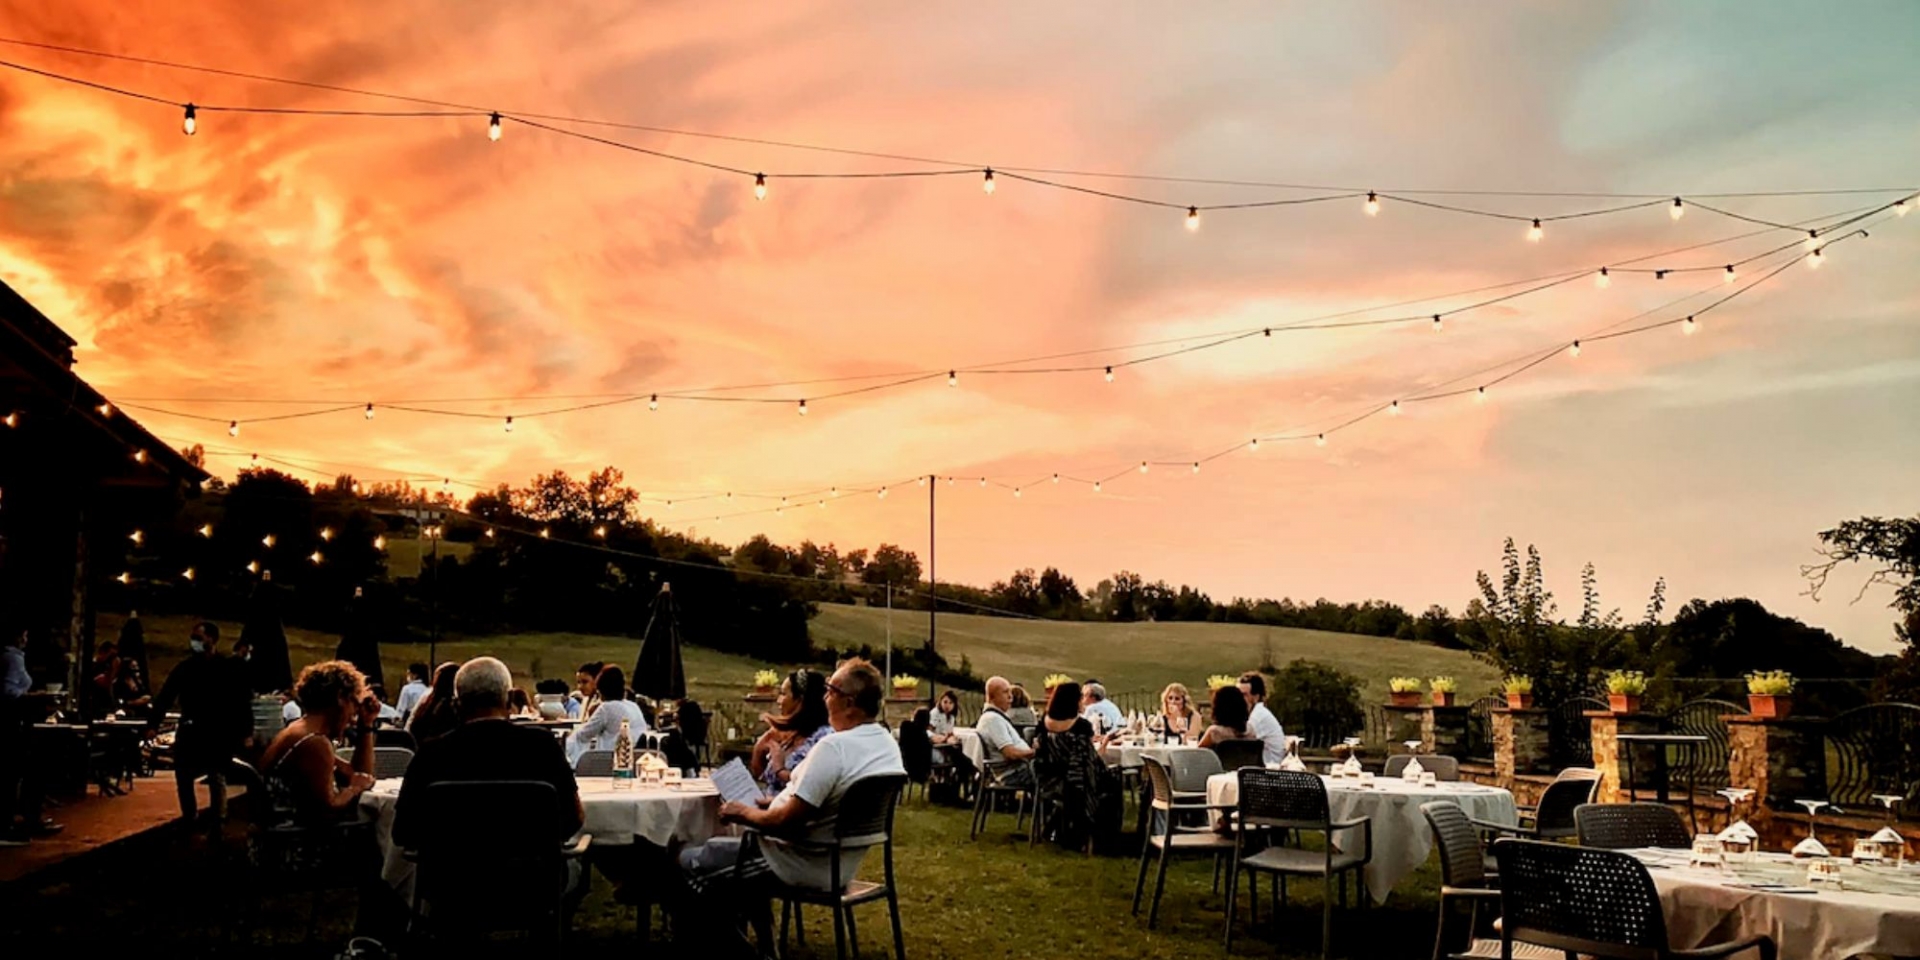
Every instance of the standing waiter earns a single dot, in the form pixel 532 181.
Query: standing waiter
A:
pixel 216 720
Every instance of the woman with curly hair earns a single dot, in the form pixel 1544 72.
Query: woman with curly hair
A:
pixel 303 775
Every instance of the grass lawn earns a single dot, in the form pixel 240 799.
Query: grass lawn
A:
pixel 989 898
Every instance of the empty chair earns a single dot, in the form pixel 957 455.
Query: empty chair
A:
pixel 1235 754
pixel 1014 778
pixel 1624 826
pixel 1552 819
pixel 594 763
pixel 1440 765
pixel 1273 800
pixel 863 819
pixel 1168 840
pixel 1580 900
pixel 1464 876
pixel 388 762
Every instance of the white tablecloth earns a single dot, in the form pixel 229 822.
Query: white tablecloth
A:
pixel 689 814
pixel 1702 906
pixel 1130 755
pixel 1401 839
pixel 970 745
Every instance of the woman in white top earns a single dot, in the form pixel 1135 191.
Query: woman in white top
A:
pixel 601 729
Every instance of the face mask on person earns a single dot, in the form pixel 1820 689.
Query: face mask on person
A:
pixel 197 645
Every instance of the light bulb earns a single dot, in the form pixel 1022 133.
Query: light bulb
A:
pixel 759 186
pixel 1254 444
pixel 1900 207
pixel 1196 467
pixel 803 408
pixel 379 542
pixel 509 424
pixel 493 127
pixel 137 537
pixel 1534 233
pixel 833 491
pixel 489 533
pixel 1056 478
pixel 1574 350
pixel 189 124
pixel 1730 274
pixel 1601 279
pixel 1812 240
pixel 883 493
pixel 139 456
pixel 369 411
pixel 206 529
pixel 1394 408
pixel 729 496
pixel 1678 209
pixel 1193 218
pixel 124 578
pixel 823 504
pixel 669 504
pixel 253 566
pixel 653 402
pixel 187 574
pixel 600 531
pixel 987 184
pixel 921 480
pixel 1373 204
pixel 983 481
pixel 1143 466
pixel 1320 441
pixel 1480 395
pixel 546 533
pixel 1109 374
pixel 1689 327
pixel 105 408
pixel 949 481
pixel 315 556
pixel 1016 493
pixel 1436 323
pixel 1816 258
pixel 1096 486
pixel 233 428
pixel 326 533
pixel 13 419
pixel 446 484
pixel 953 378
pixel 256 460
pixel 267 541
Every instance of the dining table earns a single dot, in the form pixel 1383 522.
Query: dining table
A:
pixel 1872 909
pixel 1402 840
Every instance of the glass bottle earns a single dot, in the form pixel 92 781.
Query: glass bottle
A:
pixel 623 757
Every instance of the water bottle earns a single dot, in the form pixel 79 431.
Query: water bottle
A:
pixel 623 758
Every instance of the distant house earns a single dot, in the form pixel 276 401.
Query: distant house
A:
pixel 77 476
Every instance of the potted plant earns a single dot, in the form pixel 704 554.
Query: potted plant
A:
pixel 904 686
pixel 1053 680
pixel 764 682
pixel 1219 680
pixel 1443 691
pixel 1770 694
pixel 1624 689
pixel 1404 691
pixel 1519 691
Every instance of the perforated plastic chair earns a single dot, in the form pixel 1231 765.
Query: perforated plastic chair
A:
pixel 1552 819
pixel 594 763
pixel 1170 841
pixel 1464 876
pixel 1290 800
pixel 1004 779
pixel 1235 754
pixel 388 762
pixel 1625 826
pixel 1442 767
pixel 1581 900
pixel 862 820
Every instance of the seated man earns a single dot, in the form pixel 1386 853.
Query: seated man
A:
pixel 724 883
pixel 1000 742
pixel 1097 705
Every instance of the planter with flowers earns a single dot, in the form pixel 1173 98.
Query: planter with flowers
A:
pixel 765 682
pixel 1519 690
pixel 1770 694
pixel 1624 690
pixel 1404 691
pixel 906 686
pixel 1219 680
pixel 1443 690
pixel 1054 680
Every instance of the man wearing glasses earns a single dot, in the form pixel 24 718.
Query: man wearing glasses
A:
pixel 723 883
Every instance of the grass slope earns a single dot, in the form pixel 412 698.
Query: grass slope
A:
pixel 1129 656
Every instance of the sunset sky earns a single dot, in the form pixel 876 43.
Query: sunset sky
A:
pixel 352 259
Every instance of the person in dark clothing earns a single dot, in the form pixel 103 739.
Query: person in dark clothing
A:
pixel 487 745
pixel 22 785
pixel 216 719
pixel 1084 794
pixel 437 713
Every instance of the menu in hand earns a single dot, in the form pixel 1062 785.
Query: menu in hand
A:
pixel 736 783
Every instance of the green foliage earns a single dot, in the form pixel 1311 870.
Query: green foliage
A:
pixel 1892 547
pixel 1629 682
pixel 1770 683
pixel 1316 701
pixel 1513 627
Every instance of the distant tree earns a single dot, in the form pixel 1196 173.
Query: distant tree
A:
pixel 1317 701
pixel 1059 595
pixel 891 565
pixel 1514 628
pixel 196 455
pixel 1436 626
pixel 857 561
pixel 1892 547
pixel 1123 602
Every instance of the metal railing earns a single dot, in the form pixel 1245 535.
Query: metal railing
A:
pixel 1477 744
pixel 1704 765
pixel 1872 750
pixel 1570 733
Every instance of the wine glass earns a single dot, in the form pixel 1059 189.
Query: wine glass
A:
pixel 1413 746
pixel 1813 815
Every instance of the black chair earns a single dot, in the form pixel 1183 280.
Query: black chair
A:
pixel 694 723
pixel 594 763
pixel 1272 800
pixel 1580 900
pixel 1235 754
pixel 282 855
pixel 1552 819
pixel 862 820
pixel 1464 876
pixel 395 737
pixel 1170 840
pixel 489 860
pixel 1443 767
pixel 916 754
pixel 1624 826
pixel 1002 779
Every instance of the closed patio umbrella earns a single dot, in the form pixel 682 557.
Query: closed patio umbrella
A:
pixel 659 673
pixel 272 666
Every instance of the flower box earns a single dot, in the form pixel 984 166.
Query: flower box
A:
pixel 1519 701
pixel 1623 702
pixel 1769 706
pixel 1405 698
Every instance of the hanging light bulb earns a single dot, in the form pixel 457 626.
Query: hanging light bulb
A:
pixel 1254 444
pixel 233 428
pixel 833 491
pixel 1056 478
pixel 124 578
pixel 1534 233
pixel 189 124
pixel 137 537
pixel 1678 209
pixel 600 531
pixel 187 574
pixel 729 496
pixel 1689 327
pixel 1574 351
pixel 1436 323
pixel 1394 408
pixel 949 481
pixel 883 493
pixel 139 456
pixel 256 460
pixel 1109 374
pixel 315 557
pixel 369 411
pixel 493 127
pixel 1812 240
pixel 489 533
pixel 669 504
pixel 759 186
pixel 206 530
pixel 1816 258
pixel 326 534
pixel 1096 486
pixel 1601 279
pixel 105 408
pixel 983 481
pixel 1373 204
pixel 13 419
pixel 1016 493
pixel 379 542
pixel 359 488
pixel 546 533
pixel 953 378
pixel 922 481
pixel 653 402
pixel 446 484
pixel 803 408
pixel 268 541
pixel 1730 274
pixel 1320 441
pixel 509 424
pixel 987 184
pixel 1196 466
pixel 1143 466
pixel 1193 218
pixel 1900 207
pixel 1480 395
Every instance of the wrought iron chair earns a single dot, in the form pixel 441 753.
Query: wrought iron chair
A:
pixel 1440 765
pixel 1235 754
pixel 285 855
pixel 1005 779
pixel 594 763
pixel 1623 826
pixel 1289 800
pixel 388 762
pixel 1552 819
pixel 1580 900
pixel 862 820
pixel 1170 840
pixel 460 880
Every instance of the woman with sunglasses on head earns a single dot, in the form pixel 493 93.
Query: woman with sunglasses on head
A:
pixel 800 723
pixel 1178 722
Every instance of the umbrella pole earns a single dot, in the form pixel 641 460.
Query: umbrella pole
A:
pixel 889 636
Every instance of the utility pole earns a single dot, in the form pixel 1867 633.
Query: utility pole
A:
pixel 933 581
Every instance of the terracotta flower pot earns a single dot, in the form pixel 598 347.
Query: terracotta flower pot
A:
pixel 1623 702
pixel 906 693
pixel 760 691
pixel 1405 698
pixel 1519 701
pixel 1442 698
pixel 1769 705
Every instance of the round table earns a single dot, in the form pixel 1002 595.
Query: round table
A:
pixel 1402 840
pixel 970 745
pixel 1877 912
pixel 687 814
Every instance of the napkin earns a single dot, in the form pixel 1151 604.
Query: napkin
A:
pixel 1413 770
pixel 1293 763
pixel 1352 767
pixel 1810 848
pixel 1739 832
pixel 1889 835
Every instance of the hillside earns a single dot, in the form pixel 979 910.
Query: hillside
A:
pixel 1136 656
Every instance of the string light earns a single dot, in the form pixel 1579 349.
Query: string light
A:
pixel 105 408
pixel 1373 204
pixel 315 557
pixel 1196 466
pixel 190 124
pixel 1096 486
pixel 253 566
pixel 187 574
pixel 1816 258
pixel 987 184
pixel 1143 466
pixel 326 534
pixel 1601 280
pixel 13 419
pixel 1534 233
pixel 493 127
pixel 759 186
pixel 1678 209
pixel 1109 374
pixel 883 493
pixel 1393 409
pixel 233 428
pixel 255 461
pixel 137 537
pixel 1900 207
pixel 489 533
pixel 446 484
pixel 1193 218
pixel 922 481
pixel 833 491
pixel 803 408
pixel 1730 274
pixel 1812 241
pixel 1056 479
pixel 1480 396
pixel 268 541
pixel 379 542
pixel 653 402
pixel 546 534
pixel 983 481
pixel 953 378
pixel 1436 323
pixel 1254 444
pixel 949 481
pixel 369 411
pixel 206 530
pixel 139 456
pixel 1016 493
pixel 124 578
pixel 1320 441
pixel 509 424
pixel 1689 327
pixel 600 531
pixel 1574 350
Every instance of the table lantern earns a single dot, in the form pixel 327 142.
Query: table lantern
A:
pixel 1892 846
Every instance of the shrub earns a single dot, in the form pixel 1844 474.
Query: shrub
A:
pixel 1404 684
pixel 1630 682
pixel 1518 684
pixel 1316 701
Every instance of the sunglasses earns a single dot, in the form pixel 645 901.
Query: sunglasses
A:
pixel 834 688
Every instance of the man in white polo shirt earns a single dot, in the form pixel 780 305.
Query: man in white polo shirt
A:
pixel 1000 742
pixel 1262 725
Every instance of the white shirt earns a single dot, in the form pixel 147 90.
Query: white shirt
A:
pixel 387 712
pixel 1110 715
pixel 600 730
pixel 1262 725
pixel 290 712
pixel 996 734
pixel 867 750
pixel 410 696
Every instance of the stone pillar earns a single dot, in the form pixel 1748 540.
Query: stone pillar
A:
pixel 1522 743
pixel 1444 730
pixel 1404 723
pixel 901 709
pixel 1607 755
pixel 1779 760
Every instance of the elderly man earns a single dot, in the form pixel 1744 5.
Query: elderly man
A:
pixel 1000 741
pixel 1097 705
pixel 1262 725
pixel 859 747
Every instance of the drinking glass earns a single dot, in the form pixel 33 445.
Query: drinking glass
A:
pixel 1413 746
